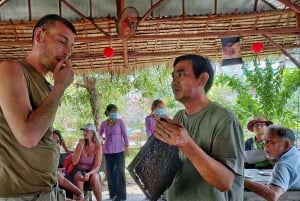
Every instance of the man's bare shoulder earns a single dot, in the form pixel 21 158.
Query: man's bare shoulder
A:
pixel 11 76
pixel 9 63
pixel 10 68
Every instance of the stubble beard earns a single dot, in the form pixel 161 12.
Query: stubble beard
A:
pixel 271 157
pixel 175 94
pixel 178 96
pixel 46 58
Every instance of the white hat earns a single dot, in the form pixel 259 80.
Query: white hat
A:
pixel 89 127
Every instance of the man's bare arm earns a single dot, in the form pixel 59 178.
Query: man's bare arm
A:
pixel 214 172
pixel 27 125
pixel 269 192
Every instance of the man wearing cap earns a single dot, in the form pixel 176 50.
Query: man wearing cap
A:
pixel 254 147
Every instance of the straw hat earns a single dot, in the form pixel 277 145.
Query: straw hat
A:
pixel 258 120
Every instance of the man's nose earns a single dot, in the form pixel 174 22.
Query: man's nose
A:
pixel 173 83
pixel 68 51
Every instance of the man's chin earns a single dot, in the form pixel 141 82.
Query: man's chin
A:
pixel 49 68
pixel 176 96
pixel 271 157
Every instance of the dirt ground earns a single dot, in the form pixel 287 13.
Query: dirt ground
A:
pixel 134 193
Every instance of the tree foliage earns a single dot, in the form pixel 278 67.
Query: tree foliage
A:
pixel 133 94
pixel 268 92
pixel 265 91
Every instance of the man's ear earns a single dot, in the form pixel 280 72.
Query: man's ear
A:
pixel 38 34
pixel 203 79
pixel 287 145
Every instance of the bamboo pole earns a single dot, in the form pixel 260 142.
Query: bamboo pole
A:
pixel 282 50
pixel 290 5
pixel 83 16
pixel 270 31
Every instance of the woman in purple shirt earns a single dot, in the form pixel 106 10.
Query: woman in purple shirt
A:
pixel 115 149
pixel 157 111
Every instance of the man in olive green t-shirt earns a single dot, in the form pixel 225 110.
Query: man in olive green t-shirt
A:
pixel 209 138
pixel 28 154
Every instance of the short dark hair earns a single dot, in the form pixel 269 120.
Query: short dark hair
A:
pixel 109 108
pixel 49 20
pixel 58 133
pixel 282 132
pixel 156 102
pixel 200 64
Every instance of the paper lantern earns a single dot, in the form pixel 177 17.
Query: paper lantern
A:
pixel 257 47
pixel 108 52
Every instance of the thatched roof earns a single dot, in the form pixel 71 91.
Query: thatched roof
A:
pixel 166 29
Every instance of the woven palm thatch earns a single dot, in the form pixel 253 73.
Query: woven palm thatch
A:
pixel 158 40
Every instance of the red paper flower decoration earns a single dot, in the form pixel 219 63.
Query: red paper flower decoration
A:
pixel 257 47
pixel 108 52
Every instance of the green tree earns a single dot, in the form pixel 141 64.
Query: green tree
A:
pixel 86 99
pixel 264 92
pixel 155 83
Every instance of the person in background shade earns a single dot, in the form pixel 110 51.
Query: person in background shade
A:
pixel 63 142
pixel 87 157
pixel 279 147
pixel 157 111
pixel 61 180
pixel 115 149
pixel 258 126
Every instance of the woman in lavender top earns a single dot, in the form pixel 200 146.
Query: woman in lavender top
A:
pixel 115 149
pixel 157 111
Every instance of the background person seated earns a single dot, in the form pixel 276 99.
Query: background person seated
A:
pixel 70 187
pixel 254 147
pixel 279 146
pixel 59 141
pixel 62 141
pixel 87 158
pixel 62 181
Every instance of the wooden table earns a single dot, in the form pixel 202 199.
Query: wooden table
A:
pixel 263 176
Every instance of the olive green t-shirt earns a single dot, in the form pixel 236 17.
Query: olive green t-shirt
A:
pixel 219 134
pixel 25 171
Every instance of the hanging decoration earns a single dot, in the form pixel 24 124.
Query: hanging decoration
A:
pixel 257 47
pixel 108 52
